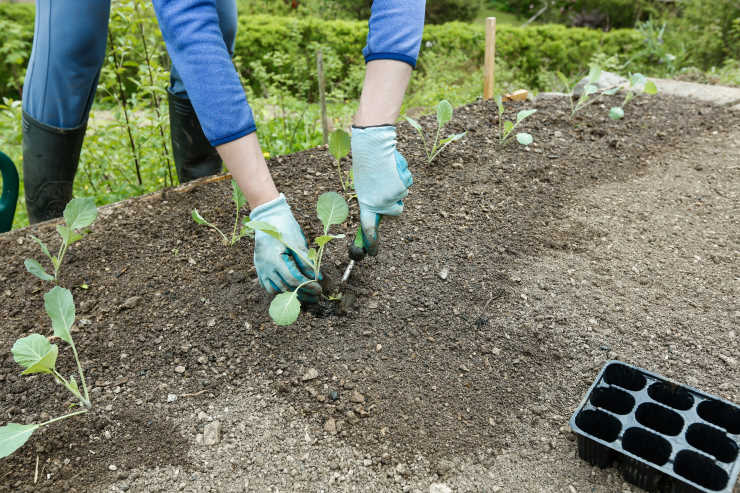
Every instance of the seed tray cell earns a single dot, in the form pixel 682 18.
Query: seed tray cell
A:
pixel 665 437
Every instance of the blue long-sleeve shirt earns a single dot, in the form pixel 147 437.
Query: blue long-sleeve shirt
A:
pixel 194 41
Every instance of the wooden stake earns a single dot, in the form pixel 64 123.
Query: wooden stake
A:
pixel 489 68
pixel 322 95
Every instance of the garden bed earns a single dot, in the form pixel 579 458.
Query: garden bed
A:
pixel 510 278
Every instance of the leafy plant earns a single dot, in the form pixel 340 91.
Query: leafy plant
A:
pixel 36 354
pixel 78 214
pixel 636 81
pixel 444 115
pixel 331 209
pixel 239 201
pixel 339 147
pixel 506 127
pixel 591 88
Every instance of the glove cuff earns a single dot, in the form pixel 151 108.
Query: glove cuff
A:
pixel 268 207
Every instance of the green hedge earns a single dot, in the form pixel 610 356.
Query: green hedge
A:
pixel 286 49
pixel 281 51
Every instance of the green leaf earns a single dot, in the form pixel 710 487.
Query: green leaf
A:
pixel 616 113
pixel 339 143
pixel 508 126
pixel 612 91
pixel 524 114
pixel 589 89
pixel 638 80
pixel 594 74
pixel 35 353
pixel 285 308
pixel 42 245
pixel 237 196
pixel 13 436
pixel 265 227
pixel 444 112
pixel 524 138
pixel 332 209
pixel 452 138
pixel 80 213
pixel 312 254
pixel 35 268
pixel 650 88
pixel 499 104
pixel 60 307
pixel 65 232
pixel 198 218
pixel 414 124
pixel 324 239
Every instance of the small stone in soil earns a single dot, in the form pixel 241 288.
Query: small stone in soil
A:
pixel 212 433
pixel 112 467
pixel 171 397
pixel 444 273
pixel 333 395
pixel 357 397
pixel 439 488
pixel 179 369
pixel 310 374
pixel 330 426
pixel 131 302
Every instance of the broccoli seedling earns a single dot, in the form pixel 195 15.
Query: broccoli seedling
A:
pixel 331 209
pixel 506 127
pixel 444 115
pixel 339 147
pixel 37 355
pixel 636 80
pixel 239 201
pixel 78 214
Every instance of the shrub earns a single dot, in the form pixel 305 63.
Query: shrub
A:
pixel 441 11
pixel 590 13
pixel 711 29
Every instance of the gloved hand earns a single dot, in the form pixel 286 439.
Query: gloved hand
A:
pixel 381 176
pixel 279 269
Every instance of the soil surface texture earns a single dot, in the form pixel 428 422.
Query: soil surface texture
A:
pixel 512 276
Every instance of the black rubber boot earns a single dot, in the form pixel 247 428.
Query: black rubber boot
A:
pixel 195 157
pixel 50 158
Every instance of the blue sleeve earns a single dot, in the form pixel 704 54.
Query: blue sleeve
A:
pixel 395 31
pixel 191 31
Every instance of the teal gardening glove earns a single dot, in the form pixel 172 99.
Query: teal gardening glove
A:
pixel 279 268
pixel 381 176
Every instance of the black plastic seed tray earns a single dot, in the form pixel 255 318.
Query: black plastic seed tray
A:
pixel 665 437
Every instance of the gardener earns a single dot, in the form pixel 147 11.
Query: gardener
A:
pixel 69 50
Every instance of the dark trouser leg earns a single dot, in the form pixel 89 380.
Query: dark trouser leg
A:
pixel 68 51
pixel 194 155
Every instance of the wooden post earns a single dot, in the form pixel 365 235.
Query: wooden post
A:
pixel 322 95
pixel 489 68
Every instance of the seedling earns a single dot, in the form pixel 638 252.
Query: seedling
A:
pixel 636 80
pixel 78 214
pixel 444 115
pixel 239 201
pixel 591 88
pixel 37 355
pixel 331 209
pixel 339 147
pixel 506 127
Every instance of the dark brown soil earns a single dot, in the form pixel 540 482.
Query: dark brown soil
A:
pixel 447 367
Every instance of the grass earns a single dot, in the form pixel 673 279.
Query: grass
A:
pixel 501 17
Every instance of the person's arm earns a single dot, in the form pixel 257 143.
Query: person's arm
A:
pixel 195 44
pixel 381 173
